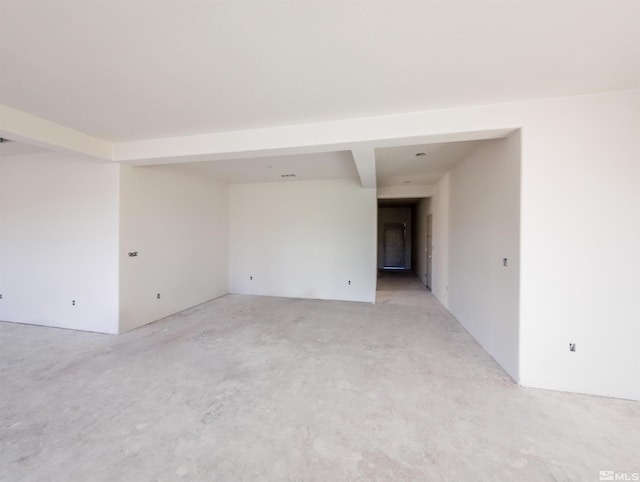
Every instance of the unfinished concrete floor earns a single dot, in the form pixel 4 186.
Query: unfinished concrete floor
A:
pixel 254 388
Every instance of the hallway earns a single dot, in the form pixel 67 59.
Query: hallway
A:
pixel 401 287
pixel 258 388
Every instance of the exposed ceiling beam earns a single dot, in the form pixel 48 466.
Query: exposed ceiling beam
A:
pixel 385 131
pixel 23 127
pixel 365 159
pixel 361 135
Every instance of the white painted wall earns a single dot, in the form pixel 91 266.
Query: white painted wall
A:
pixel 420 236
pixel 177 220
pixel 580 239
pixel 485 228
pixel 303 239
pixel 59 242
pixel 395 215
pixel 439 208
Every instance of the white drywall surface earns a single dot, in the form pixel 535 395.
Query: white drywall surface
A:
pixel 304 239
pixel 59 242
pixel 580 245
pixel 579 236
pixel 439 208
pixel 484 230
pixel 177 221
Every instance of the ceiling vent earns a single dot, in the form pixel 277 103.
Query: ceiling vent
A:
pixel 287 175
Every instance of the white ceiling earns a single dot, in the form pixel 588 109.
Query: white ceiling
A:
pixel 154 71
pixel 398 166
pixel 151 69
pixel 319 166
pixel 395 166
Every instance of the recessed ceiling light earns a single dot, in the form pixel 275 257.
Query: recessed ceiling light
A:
pixel 421 154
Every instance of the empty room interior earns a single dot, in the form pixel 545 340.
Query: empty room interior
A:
pixel 319 241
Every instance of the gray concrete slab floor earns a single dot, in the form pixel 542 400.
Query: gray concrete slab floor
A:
pixel 257 388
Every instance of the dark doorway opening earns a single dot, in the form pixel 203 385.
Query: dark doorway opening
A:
pixel 404 237
pixel 394 246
